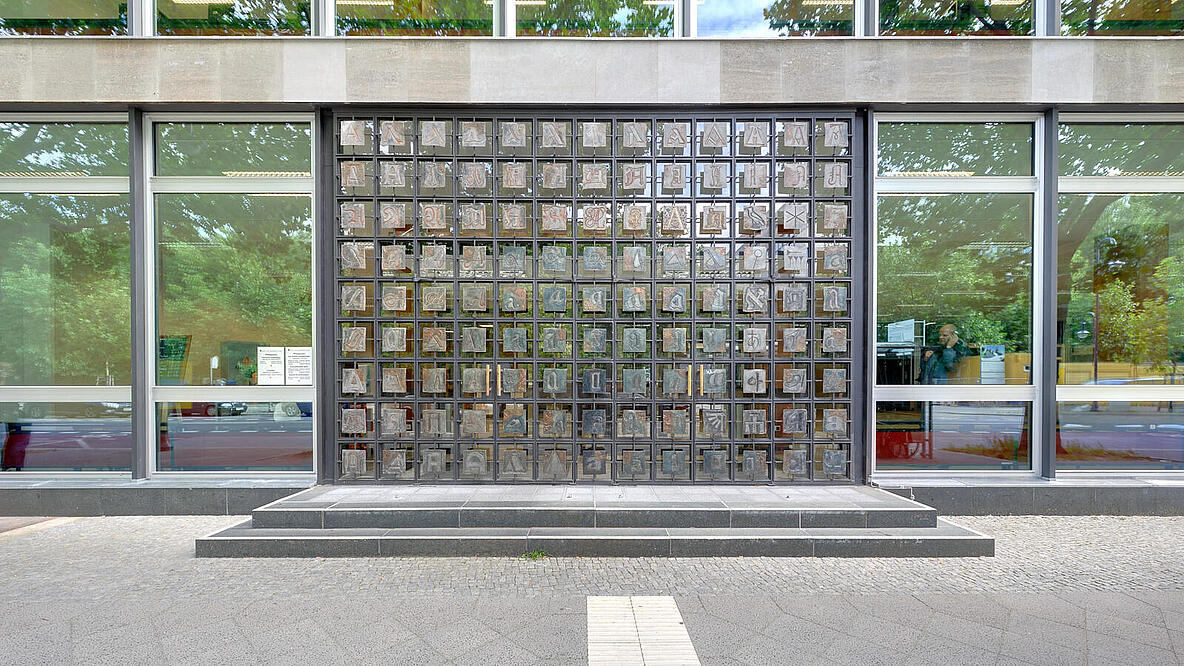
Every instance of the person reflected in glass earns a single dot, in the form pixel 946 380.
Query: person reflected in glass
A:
pixel 941 361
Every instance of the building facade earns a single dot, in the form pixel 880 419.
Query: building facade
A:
pixel 636 242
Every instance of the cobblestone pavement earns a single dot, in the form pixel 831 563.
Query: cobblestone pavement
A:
pixel 128 590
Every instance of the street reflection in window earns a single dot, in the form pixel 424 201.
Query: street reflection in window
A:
pixel 65 436
pixel 1119 434
pixel 234 435
pixel 953 435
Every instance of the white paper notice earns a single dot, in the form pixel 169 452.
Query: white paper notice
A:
pixel 271 366
pixel 299 366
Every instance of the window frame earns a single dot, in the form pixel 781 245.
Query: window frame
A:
pixel 1118 185
pixel 155 393
pixel 88 185
pixel 1032 393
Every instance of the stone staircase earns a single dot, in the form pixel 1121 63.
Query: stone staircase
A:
pixel 595 521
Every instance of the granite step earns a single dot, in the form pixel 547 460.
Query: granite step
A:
pixel 945 539
pixel 392 507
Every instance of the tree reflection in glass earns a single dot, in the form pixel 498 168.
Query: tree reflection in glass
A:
pixel 233 17
pixel 53 17
pixel 1120 288
pixel 956 17
pixel 442 18
pixel 1122 17
pixel 954 287
pixel 780 18
pixel 595 18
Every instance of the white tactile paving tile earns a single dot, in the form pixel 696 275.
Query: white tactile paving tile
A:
pixel 637 630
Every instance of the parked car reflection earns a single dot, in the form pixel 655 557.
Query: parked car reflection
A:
pixel 209 408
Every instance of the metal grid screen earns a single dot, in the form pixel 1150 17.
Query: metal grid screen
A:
pixel 596 297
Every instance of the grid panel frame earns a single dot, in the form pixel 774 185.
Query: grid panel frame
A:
pixel 769 462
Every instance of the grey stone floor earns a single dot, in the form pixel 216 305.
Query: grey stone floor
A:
pixel 128 590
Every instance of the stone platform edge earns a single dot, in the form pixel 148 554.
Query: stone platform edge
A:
pixel 1045 498
pixel 142 498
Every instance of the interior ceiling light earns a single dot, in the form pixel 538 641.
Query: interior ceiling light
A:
pixel 267 174
pixel 929 174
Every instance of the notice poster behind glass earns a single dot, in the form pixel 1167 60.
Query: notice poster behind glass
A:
pixel 271 366
pixel 298 366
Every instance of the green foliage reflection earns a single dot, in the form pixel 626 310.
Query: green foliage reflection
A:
pixel 65 300
pixel 234 17
pixel 596 18
pixel 955 17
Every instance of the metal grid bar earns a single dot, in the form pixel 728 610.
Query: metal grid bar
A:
pixel 580 462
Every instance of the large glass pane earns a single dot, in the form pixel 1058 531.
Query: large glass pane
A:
pixel 230 435
pixel 1122 17
pixel 1120 289
pixel 234 149
pixel 965 17
pixel 1121 150
pixel 57 150
pixel 953 435
pixel 954 289
pixel 65 291
pixel 54 17
pixel 780 18
pixel 391 17
pixel 233 274
pixel 65 436
pixel 1120 435
pixel 595 18
pixel 953 150
pixel 232 17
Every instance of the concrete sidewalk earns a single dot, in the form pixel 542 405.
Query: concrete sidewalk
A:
pixel 128 590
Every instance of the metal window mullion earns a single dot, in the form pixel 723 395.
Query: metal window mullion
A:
pixel 79 184
pixel 1119 184
pixel 231 185
pixel 145 429
pixel 969 185
pixel 20 393
pixel 1049 271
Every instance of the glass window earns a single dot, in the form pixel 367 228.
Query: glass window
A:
pixel 233 274
pixel 957 150
pixel 1122 17
pixel 781 18
pixel 954 289
pixel 1121 150
pixel 234 149
pixel 231 435
pixel 953 435
pixel 65 291
pixel 596 18
pixel 233 17
pixel 439 19
pixel 967 17
pixel 56 150
pixel 1121 289
pixel 53 17
pixel 1120 435
pixel 65 436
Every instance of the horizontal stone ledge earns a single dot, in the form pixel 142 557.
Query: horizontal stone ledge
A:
pixel 844 70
